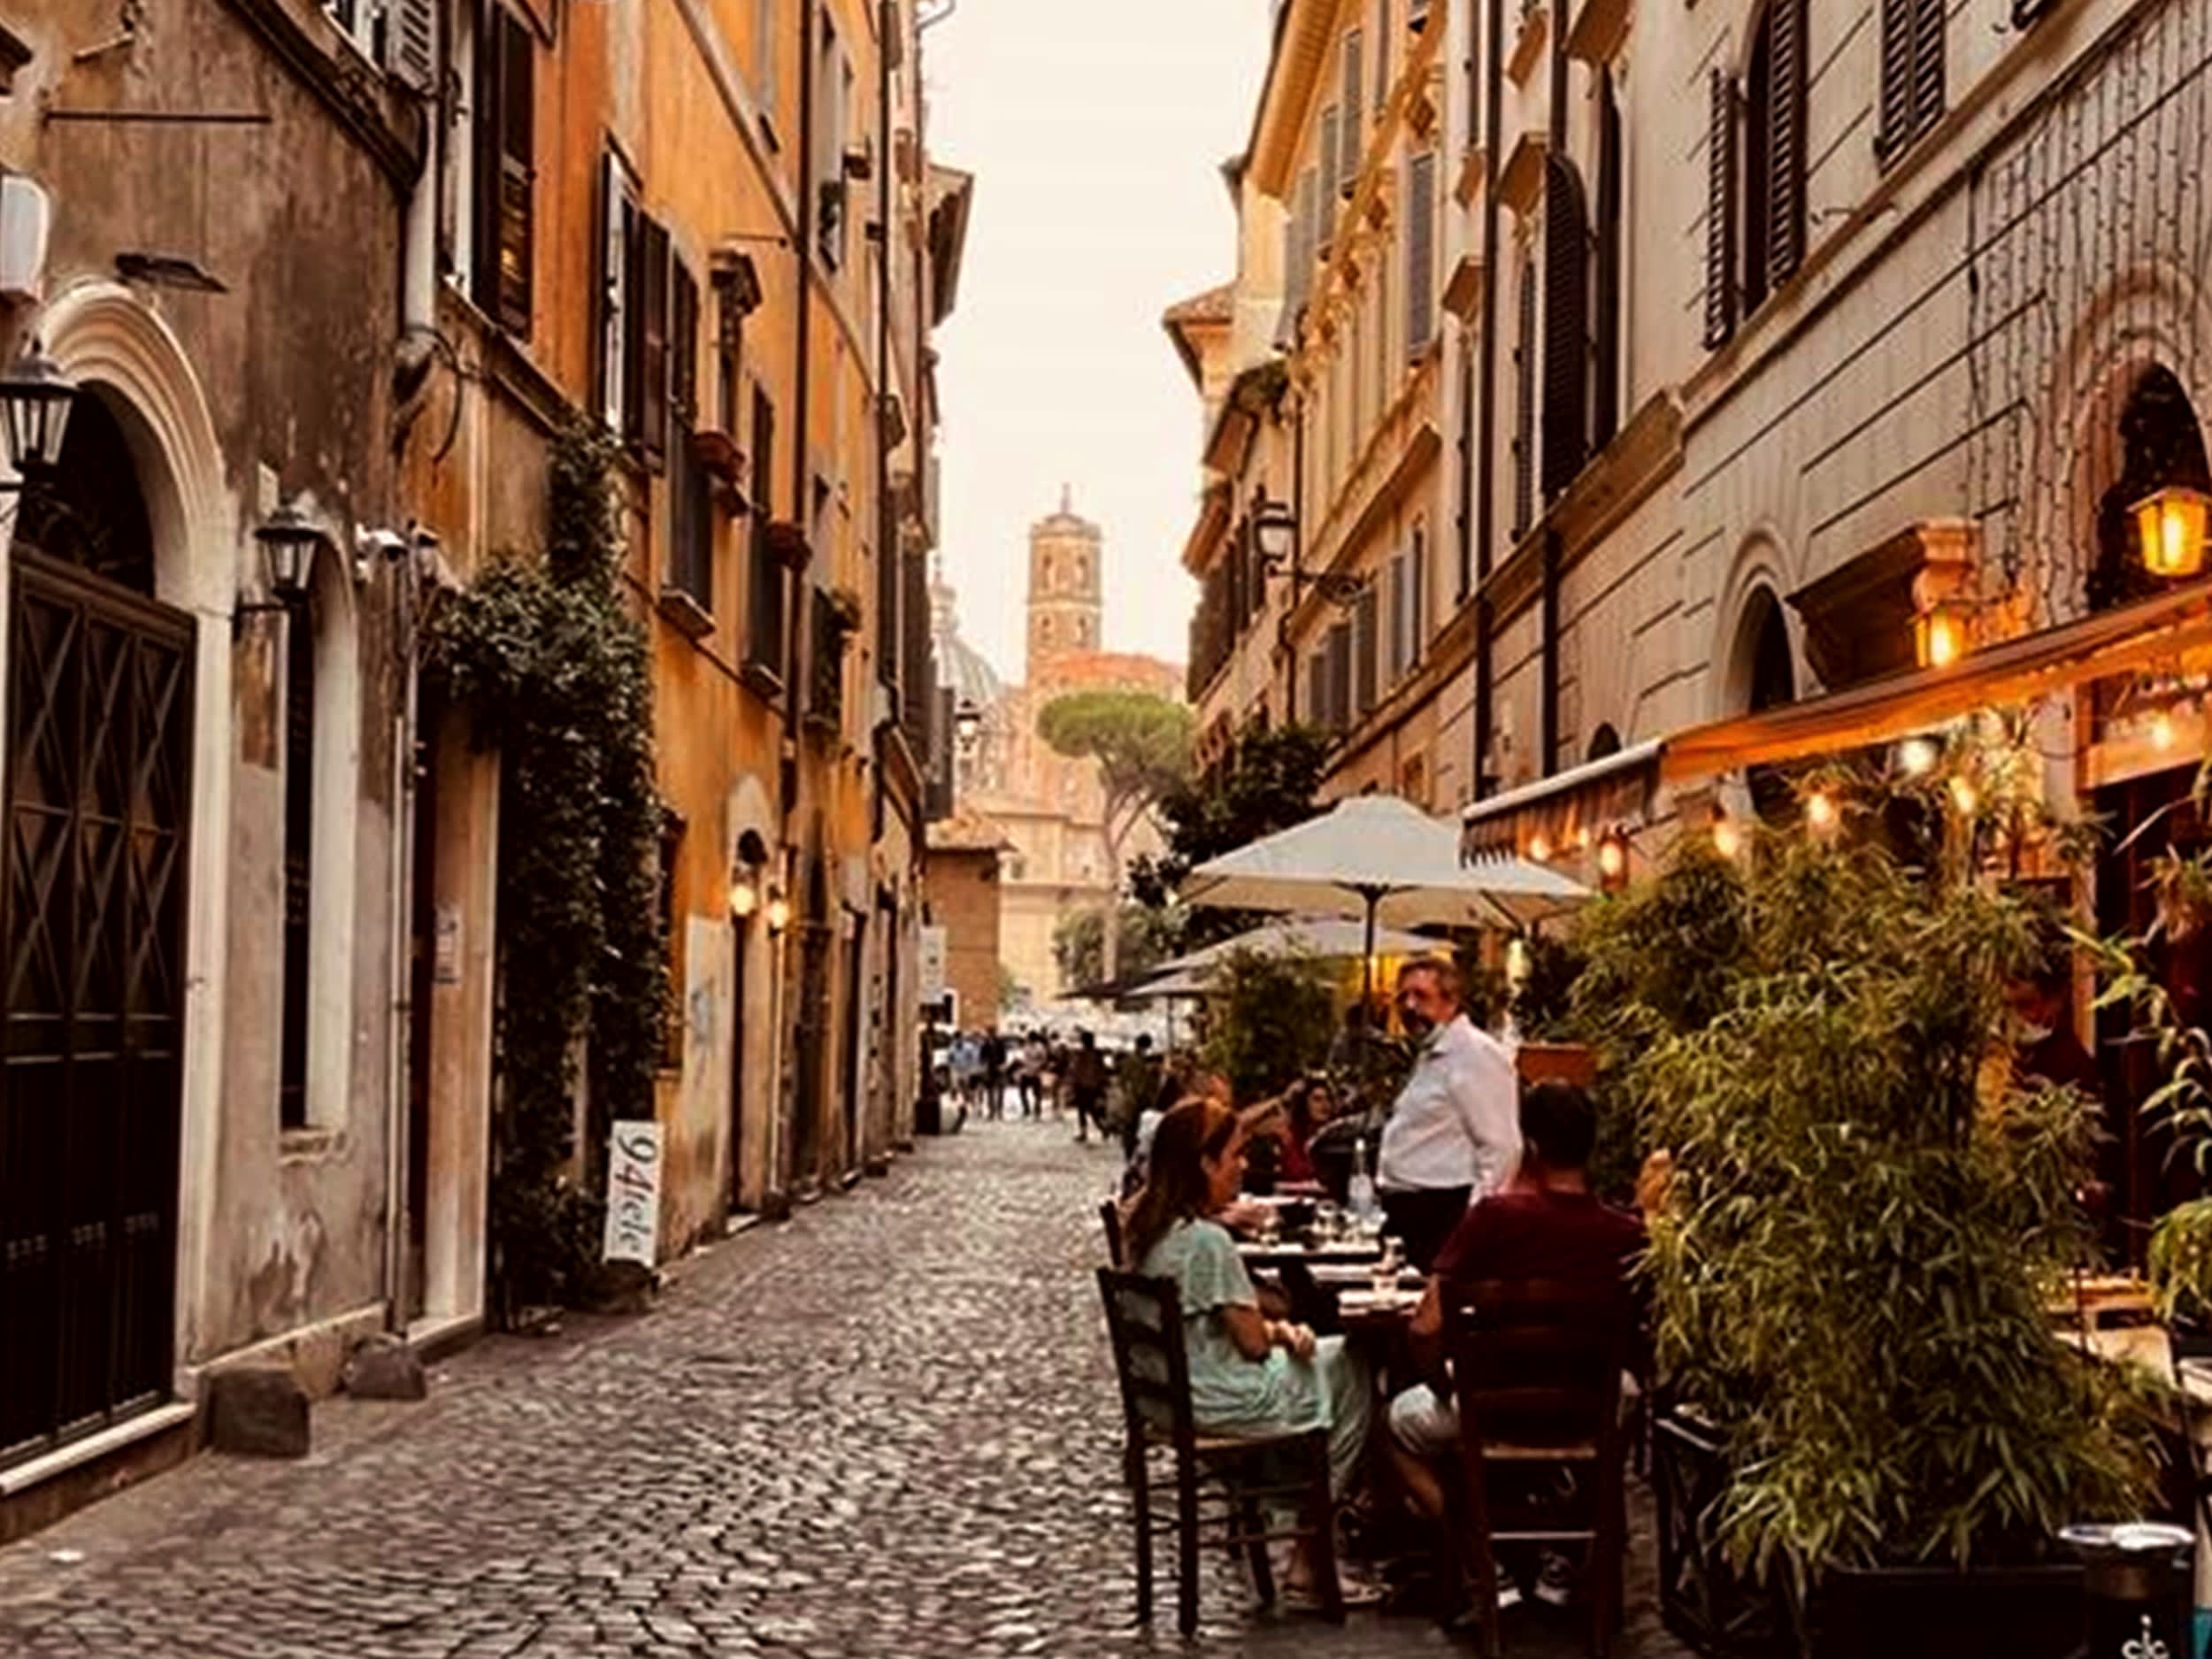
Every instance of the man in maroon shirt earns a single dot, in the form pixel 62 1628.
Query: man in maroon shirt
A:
pixel 1545 1224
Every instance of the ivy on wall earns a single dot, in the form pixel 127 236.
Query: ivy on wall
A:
pixel 556 674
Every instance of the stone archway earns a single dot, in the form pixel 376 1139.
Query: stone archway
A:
pixel 119 350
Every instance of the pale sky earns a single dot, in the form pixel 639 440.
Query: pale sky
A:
pixel 1095 129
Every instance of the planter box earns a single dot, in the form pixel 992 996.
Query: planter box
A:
pixel 1557 1062
pixel 1892 1612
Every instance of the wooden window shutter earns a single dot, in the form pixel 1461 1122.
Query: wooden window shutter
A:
pixel 487 141
pixel 1897 42
pixel 1420 253
pixel 1418 602
pixel 1785 141
pixel 1929 18
pixel 613 313
pixel 1309 234
pixel 1355 104
pixel 683 345
pixel 1524 407
pixel 1720 212
pixel 517 174
pixel 413 43
pixel 1332 170
pixel 764 630
pixel 1382 54
pixel 652 287
pixel 1365 641
pixel 1401 623
pixel 1605 366
pixel 1566 326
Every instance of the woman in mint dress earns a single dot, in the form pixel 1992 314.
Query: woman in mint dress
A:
pixel 1248 1374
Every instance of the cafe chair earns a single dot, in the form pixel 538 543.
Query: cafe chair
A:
pixel 1223 1483
pixel 1110 1218
pixel 1536 1368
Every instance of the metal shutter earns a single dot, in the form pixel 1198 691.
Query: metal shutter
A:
pixel 1566 326
pixel 1720 211
pixel 1420 253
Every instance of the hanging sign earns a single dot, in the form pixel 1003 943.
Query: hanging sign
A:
pixel 933 975
pixel 633 1192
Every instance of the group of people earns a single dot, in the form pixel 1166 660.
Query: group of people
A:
pixel 1043 1070
pixel 1480 1179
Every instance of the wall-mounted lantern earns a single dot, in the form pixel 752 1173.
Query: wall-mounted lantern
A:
pixel 2170 527
pixel 36 398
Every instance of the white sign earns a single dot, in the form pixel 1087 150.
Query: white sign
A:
pixel 933 948
pixel 445 955
pixel 633 1192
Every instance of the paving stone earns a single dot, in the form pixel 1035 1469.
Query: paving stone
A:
pixel 888 1428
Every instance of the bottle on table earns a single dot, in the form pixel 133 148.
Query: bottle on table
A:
pixel 1361 1194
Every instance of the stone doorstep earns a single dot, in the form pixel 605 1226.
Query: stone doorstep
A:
pixel 143 1426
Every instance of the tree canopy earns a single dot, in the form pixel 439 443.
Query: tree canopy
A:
pixel 1265 782
pixel 1141 742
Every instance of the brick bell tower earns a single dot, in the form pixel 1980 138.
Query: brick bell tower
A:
pixel 1064 551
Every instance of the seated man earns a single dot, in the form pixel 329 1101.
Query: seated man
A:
pixel 1546 1223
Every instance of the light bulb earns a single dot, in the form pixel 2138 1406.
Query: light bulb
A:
pixel 1917 756
pixel 1964 797
pixel 2163 730
pixel 1820 810
pixel 1726 842
pixel 1539 848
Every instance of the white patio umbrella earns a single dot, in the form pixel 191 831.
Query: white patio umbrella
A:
pixel 1325 936
pixel 1380 858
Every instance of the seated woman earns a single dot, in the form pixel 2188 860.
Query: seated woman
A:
pixel 1248 1374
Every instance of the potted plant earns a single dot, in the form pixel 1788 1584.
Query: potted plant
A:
pixel 1879 1427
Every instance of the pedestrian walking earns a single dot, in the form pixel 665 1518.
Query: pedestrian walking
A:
pixel 994 1057
pixel 1035 1061
pixel 1087 1085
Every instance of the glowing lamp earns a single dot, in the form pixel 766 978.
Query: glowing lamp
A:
pixel 2162 730
pixel 2170 527
pixel 1938 635
pixel 1963 797
pixel 744 898
pixel 1612 858
pixel 1539 848
pixel 1726 842
pixel 1820 811
pixel 779 912
pixel 1916 756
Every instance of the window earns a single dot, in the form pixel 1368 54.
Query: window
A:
pixel 1382 54
pixel 1754 233
pixel 690 516
pixel 299 856
pixel 1355 104
pixel 1340 677
pixel 729 342
pixel 765 61
pixel 1317 689
pixel 763 638
pixel 1366 628
pixel 1332 170
pixel 633 321
pixel 832 95
pixel 1524 405
pixel 1401 617
pixel 1912 73
pixel 502 180
pixel 617 221
pixel 1566 326
pixel 1418 602
pixel 1605 346
pixel 1420 253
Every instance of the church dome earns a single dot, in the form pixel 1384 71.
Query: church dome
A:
pixel 961 668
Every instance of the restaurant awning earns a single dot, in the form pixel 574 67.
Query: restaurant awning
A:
pixel 1614 791
pixel 2125 639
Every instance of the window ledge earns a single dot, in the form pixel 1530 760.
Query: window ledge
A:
pixel 762 680
pixel 309 1144
pixel 684 612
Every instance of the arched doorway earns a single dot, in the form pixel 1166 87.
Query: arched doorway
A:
pixel 1766 672
pixel 2160 444
pixel 92 902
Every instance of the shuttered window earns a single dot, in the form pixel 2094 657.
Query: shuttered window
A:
pixel 617 219
pixel 1785 146
pixel 690 518
pixel 649 281
pixel 1382 54
pixel 1566 326
pixel 1720 211
pixel 1355 104
pixel 1417 604
pixel 1605 367
pixel 505 183
pixel 764 630
pixel 1365 652
pixel 1912 73
pixel 1317 690
pixel 413 47
pixel 1401 618
pixel 1340 677
pixel 1420 253
pixel 1524 405
pixel 1332 170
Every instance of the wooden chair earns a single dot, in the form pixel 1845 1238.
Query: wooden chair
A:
pixel 1145 1316
pixel 1537 1367
pixel 1110 1218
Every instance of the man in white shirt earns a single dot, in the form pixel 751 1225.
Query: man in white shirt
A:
pixel 1454 1135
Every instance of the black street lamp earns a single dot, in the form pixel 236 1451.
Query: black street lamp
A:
pixel 289 539
pixel 36 398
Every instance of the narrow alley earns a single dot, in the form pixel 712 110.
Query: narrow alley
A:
pixel 886 1429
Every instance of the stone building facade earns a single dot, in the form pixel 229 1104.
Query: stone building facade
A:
pixel 332 275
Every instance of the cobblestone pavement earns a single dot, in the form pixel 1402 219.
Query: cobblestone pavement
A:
pixel 886 1429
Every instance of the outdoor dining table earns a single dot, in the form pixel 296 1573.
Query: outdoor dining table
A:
pixel 1284 1252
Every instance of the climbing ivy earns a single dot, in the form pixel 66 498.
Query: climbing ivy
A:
pixel 556 675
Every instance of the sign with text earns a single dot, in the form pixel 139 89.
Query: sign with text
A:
pixel 933 948
pixel 633 1192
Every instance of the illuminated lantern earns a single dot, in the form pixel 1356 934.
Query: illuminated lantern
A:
pixel 1938 635
pixel 2170 528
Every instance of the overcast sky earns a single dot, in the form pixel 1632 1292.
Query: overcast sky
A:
pixel 1095 131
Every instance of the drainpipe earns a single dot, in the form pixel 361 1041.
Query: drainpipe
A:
pixel 888 629
pixel 802 340
pixel 1297 559
pixel 1485 482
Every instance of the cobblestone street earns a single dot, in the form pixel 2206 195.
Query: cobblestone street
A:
pixel 886 1429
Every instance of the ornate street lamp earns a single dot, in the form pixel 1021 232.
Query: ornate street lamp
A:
pixel 289 539
pixel 967 728
pixel 1275 531
pixel 2170 527
pixel 36 398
